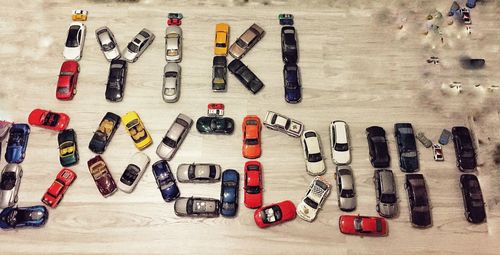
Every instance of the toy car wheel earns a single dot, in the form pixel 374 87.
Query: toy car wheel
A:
pixel 29 131
pixel 23 155
pixel 378 208
pixel 135 59
pixel 74 92
pixel 20 174
pixel 78 69
pixel 16 199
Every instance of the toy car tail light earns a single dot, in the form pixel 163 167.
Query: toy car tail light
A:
pixel 215 109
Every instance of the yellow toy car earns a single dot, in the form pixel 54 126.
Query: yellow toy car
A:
pixel 137 130
pixel 79 15
pixel 221 39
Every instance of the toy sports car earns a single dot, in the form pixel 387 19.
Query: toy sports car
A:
pixel 133 172
pixel 68 78
pixel 253 184
pixel 137 130
pixel 34 216
pixel 56 191
pixel 49 120
pixel 215 125
pixel 10 181
pixel 363 225
pixel 17 143
pixel 102 176
pixel 274 214
pixel 104 133
pixel 68 148
pixel 251 137
pixel 165 180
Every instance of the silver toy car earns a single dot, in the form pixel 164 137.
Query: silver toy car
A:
pixel 385 192
pixel 198 172
pixel 173 44
pixel 171 82
pixel 174 137
pixel 138 45
pixel 10 180
pixel 196 207
pixel 107 42
pixel 276 121
pixel 346 194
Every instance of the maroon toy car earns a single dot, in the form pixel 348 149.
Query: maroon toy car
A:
pixel 68 77
pixel 102 176
pixel 56 191
pixel 363 225
pixel 47 119
pixel 274 214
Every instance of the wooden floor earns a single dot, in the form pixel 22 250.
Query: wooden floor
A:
pixel 356 66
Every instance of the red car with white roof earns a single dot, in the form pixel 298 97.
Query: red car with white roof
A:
pixel 56 191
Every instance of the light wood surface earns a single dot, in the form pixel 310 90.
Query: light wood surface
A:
pixel 356 66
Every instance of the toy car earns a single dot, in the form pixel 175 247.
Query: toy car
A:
pixel 196 207
pixel 291 78
pixel 278 122
pixel 133 172
pixel 289 52
pixel 444 137
pixel 286 19
pixel 385 193
pixel 253 184
pixel 437 150
pixel 274 214
pixel 346 194
pixel 219 74
pixel 173 44
pixel 215 109
pixel 165 180
pixel 56 191
pixel 75 41
pixel 465 16
pixel 312 153
pixel 245 76
pixel 407 147
pixel 229 193
pixel 215 125
pixel 221 39
pixel 117 78
pixel 174 137
pixel 171 89
pixel 464 149
pixel 68 148
pixel 473 199
pixel 424 140
pixel 79 15
pixel 363 225
pixel 107 42
pixel 246 41
pixel 102 176
pixel 68 78
pixel 49 120
pixel 138 45
pixel 137 130
pixel 315 197
pixel 10 182
pixel 102 136
pixel 17 143
pixel 377 146
pixel 251 137
pixel 339 142
pixel 418 201
pixel 198 173
pixel 174 19
pixel 19 217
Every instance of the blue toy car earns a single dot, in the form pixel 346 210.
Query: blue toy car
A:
pixel 34 216
pixel 17 144
pixel 291 78
pixel 165 181
pixel 229 193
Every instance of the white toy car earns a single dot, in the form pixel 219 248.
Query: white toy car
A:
pixel 438 152
pixel 315 197
pixel 339 143
pixel 10 181
pixel 138 45
pixel 133 172
pixel 173 44
pixel 107 42
pixel 171 82
pixel 74 41
pixel 312 153
pixel 276 121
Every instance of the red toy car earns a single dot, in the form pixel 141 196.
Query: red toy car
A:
pixel 251 137
pixel 363 225
pixel 274 214
pixel 174 19
pixel 68 77
pixel 47 119
pixel 56 191
pixel 253 184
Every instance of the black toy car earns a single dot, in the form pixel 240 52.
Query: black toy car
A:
pixel 377 145
pixel 289 51
pixel 407 147
pixel 116 80
pixel 464 149
pixel 215 125
pixel 473 198
pixel 418 201
pixel 245 76
pixel 291 78
pixel 219 74
pixel 68 148
pixel 104 133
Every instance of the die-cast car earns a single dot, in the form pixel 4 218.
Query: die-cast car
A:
pixel 79 15
pixel 174 19
pixel 138 45
pixel 174 137
pixel 107 42
pixel 253 184
pixel 289 52
pixel 407 147
pixel 437 151
pixel 246 41
pixel 315 197
pixel 278 122
pixel 291 79
pixel 198 172
pixel 465 16
pixel 49 120
pixel 196 207
pixel 274 214
pixel 464 149
pixel 102 136
pixel 444 138
pixel 377 147
pixel 171 89
pixel 251 137
pixel 173 44
pixel 315 165
pixel 215 125
pixel 346 193
pixel 418 201
pixel 68 148
pixel 215 109
pixel 17 143
pixel 20 217
pixel 219 74
pixel 339 142
pixel 133 172
pixel 10 182
pixel 74 41
pixel 285 19
pixel 137 130
pixel 229 193
pixel 102 176
pixel 245 76
pixel 68 78
pixel 385 193
pixel 363 225
pixel 117 79
pixel 165 180
pixel 423 139
pixel 221 39
pixel 56 191
pixel 473 199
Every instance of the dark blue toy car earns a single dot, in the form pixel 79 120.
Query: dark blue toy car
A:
pixel 229 192
pixel 291 77
pixel 165 181
pixel 18 141
pixel 34 216
pixel 407 147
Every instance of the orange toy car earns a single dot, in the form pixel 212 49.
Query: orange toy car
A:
pixel 251 136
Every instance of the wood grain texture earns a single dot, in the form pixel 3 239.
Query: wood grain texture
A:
pixel 355 65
